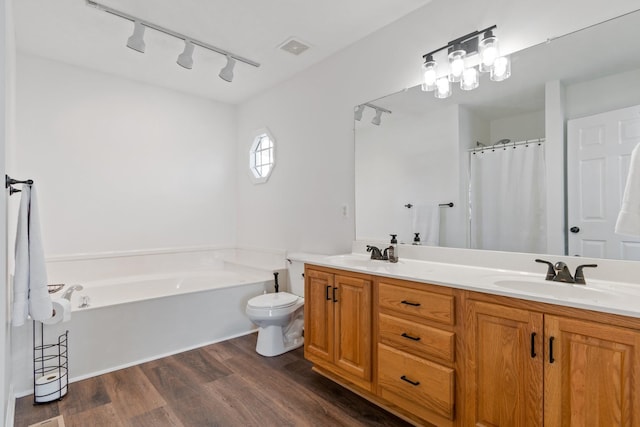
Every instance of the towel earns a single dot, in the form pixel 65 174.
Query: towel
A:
pixel 426 221
pixel 30 291
pixel 629 216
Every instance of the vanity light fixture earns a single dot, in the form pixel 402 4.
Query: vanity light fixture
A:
pixel 377 119
pixel 467 56
pixel 136 42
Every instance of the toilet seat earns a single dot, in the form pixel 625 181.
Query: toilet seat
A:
pixel 273 301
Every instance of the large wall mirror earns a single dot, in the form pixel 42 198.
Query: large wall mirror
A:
pixel 536 163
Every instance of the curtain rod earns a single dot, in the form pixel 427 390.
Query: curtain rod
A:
pixel 507 144
pixel 170 32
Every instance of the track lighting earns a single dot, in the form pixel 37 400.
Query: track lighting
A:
pixel 136 41
pixel 378 117
pixel 227 71
pixel 467 56
pixel 185 59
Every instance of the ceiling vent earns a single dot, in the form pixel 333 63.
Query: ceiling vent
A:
pixel 294 46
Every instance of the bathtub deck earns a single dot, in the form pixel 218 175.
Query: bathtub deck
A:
pixel 225 384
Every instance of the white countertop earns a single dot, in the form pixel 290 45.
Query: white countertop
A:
pixel 600 295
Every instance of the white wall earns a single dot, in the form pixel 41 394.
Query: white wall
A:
pixel 406 160
pixel 518 128
pixel 121 165
pixel 311 115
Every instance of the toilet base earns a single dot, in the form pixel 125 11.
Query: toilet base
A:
pixel 273 342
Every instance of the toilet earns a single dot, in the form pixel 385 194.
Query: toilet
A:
pixel 279 316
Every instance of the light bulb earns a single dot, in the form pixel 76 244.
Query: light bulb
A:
pixel 488 49
pixel 456 64
pixel 501 69
pixel 443 88
pixel 429 74
pixel 470 79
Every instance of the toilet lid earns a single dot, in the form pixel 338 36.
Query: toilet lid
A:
pixel 276 300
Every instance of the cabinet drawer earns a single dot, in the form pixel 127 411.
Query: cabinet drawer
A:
pixel 425 304
pixel 415 384
pixel 415 338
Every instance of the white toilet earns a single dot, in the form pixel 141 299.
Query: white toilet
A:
pixel 280 316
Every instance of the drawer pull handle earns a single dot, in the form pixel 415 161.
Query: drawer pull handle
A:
pixel 551 359
pixel 405 335
pixel 533 345
pixel 327 293
pixel 334 294
pixel 413 304
pixel 404 378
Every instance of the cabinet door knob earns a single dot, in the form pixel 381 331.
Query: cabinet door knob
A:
pixel 404 378
pixel 413 304
pixel 405 335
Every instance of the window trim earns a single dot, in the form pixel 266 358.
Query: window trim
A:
pixel 257 136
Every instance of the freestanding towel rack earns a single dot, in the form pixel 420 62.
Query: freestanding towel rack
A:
pixel 10 182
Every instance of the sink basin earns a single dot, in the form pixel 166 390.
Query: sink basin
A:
pixel 351 260
pixel 591 293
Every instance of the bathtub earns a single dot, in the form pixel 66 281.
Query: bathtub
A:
pixel 143 316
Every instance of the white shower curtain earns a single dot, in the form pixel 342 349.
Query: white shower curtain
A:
pixel 507 195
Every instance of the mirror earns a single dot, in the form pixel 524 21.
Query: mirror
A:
pixel 418 160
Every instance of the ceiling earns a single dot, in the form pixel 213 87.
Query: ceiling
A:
pixel 72 32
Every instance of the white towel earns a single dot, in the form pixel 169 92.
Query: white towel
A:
pixel 426 221
pixel 629 216
pixel 30 291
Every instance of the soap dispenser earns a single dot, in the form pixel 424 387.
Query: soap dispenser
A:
pixel 416 239
pixel 393 249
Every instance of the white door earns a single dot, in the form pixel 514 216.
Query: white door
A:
pixel 598 153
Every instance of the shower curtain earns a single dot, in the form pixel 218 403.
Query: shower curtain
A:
pixel 507 197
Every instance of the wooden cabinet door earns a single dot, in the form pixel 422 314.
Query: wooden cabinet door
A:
pixel 504 374
pixel 319 318
pixel 352 327
pixel 594 379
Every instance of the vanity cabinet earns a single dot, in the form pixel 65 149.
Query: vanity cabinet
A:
pixel 416 349
pixel 551 367
pixel 338 324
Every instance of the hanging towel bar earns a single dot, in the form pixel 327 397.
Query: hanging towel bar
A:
pixel 450 204
pixel 9 182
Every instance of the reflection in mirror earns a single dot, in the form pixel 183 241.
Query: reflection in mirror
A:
pixel 495 153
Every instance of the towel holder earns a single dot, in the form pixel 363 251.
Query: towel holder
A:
pixel 9 182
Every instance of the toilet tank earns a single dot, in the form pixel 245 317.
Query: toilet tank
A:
pixel 296 277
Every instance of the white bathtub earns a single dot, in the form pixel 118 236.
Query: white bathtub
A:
pixel 140 317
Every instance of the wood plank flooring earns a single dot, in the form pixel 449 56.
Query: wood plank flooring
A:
pixel 223 384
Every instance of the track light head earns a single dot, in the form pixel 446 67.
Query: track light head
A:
pixel 377 119
pixel 227 72
pixel 136 41
pixel 185 59
pixel 357 114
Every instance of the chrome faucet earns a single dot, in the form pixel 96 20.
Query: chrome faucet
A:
pixel 559 272
pixel 67 294
pixel 376 253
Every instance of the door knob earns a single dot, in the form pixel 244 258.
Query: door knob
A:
pixel 574 229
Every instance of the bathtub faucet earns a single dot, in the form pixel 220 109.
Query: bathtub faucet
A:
pixel 67 294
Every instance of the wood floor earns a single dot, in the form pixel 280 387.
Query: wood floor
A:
pixel 224 384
